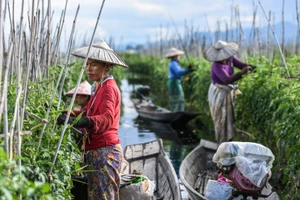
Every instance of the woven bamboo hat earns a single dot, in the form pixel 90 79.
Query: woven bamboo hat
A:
pixel 221 51
pixel 102 52
pixel 84 88
pixel 174 52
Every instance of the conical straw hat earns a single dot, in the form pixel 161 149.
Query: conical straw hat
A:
pixel 84 88
pixel 174 52
pixel 102 52
pixel 221 51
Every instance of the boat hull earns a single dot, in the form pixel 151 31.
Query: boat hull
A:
pixel 157 113
pixel 151 160
pixel 199 160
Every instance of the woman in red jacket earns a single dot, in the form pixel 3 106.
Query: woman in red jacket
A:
pixel 100 121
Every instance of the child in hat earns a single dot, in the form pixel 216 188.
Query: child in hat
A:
pixel 82 96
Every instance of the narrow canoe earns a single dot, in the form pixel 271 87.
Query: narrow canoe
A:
pixel 151 160
pixel 199 160
pixel 148 110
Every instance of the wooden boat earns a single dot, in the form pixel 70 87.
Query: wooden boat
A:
pixel 198 163
pixel 148 110
pixel 151 160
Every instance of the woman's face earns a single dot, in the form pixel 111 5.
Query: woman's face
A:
pixel 96 70
pixel 175 57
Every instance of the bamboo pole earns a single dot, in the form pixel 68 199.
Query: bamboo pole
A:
pixel 218 31
pixel 18 53
pixel 21 133
pixel 60 76
pixel 28 65
pixel 259 45
pixel 66 64
pixel 48 34
pixel 181 42
pixel 283 31
pixel 280 50
pixel 209 31
pixel 242 35
pixel 252 32
pixel 1 58
pixel 161 42
pixel 226 32
pixel 59 33
pixel 231 22
pixel 5 83
pixel 36 59
pixel 298 22
pixel 5 127
pixel 74 95
pixel 268 39
pixel 11 37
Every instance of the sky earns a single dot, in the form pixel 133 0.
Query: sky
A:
pixel 139 21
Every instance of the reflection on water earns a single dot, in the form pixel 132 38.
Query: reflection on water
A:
pixel 134 129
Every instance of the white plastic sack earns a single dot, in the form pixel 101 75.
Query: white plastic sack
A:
pixel 254 170
pixel 215 190
pixel 252 159
pixel 227 151
pixel 143 190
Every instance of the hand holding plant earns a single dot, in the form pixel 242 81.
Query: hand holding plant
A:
pixel 82 122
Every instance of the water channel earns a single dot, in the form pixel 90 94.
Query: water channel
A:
pixel 134 129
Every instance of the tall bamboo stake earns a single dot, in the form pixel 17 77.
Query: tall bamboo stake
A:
pixel 36 59
pixel 59 35
pixel 298 22
pixel 268 39
pixel 282 36
pixel 1 54
pixel 11 37
pixel 259 45
pixel 226 32
pixel 28 65
pixel 59 78
pixel 180 39
pixel 18 53
pixel 209 31
pixel 74 95
pixel 252 32
pixel 280 50
pixel 243 40
pixel 5 81
pixel 231 22
pixel 65 68
pixel 48 34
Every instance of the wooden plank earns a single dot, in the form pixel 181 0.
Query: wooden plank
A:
pixel 151 148
pixel 137 166
pixel 149 169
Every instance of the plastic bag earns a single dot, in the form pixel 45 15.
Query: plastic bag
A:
pixel 253 160
pixel 215 190
pixel 142 190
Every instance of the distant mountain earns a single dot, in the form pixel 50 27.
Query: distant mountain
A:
pixel 290 33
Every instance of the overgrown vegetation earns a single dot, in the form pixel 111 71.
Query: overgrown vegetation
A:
pixel 268 108
pixel 32 180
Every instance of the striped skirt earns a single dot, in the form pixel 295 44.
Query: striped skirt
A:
pixel 103 172
pixel 221 100
pixel 176 95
